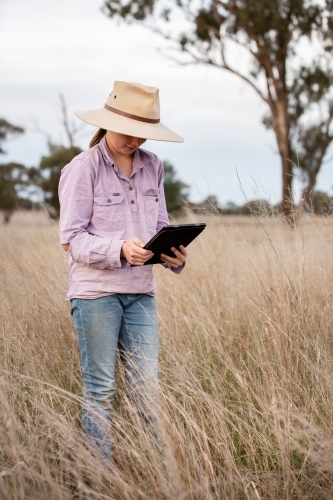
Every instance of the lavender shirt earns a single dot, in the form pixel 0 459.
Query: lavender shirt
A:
pixel 100 208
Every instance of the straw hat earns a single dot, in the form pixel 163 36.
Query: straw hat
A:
pixel 132 109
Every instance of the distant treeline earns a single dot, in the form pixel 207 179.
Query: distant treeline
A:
pixel 318 203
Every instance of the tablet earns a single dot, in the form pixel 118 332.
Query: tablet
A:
pixel 172 236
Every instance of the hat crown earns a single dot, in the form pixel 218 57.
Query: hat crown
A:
pixel 135 99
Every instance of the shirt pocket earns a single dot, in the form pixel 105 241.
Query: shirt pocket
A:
pixel 151 203
pixel 109 213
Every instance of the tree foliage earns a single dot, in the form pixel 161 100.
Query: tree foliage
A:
pixel 284 49
pixel 7 129
pixel 18 183
pixel 320 203
pixel 13 176
pixel 48 174
pixel 175 190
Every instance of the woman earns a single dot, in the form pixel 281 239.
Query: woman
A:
pixel 112 202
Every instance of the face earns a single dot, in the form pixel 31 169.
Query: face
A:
pixel 123 144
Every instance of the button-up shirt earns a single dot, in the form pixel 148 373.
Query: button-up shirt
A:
pixel 101 208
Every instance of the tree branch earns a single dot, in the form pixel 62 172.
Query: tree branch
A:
pixel 314 173
pixel 70 131
pixel 226 66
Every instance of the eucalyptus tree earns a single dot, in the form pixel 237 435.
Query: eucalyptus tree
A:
pixel 176 191
pixel 287 60
pixel 12 175
pixel 13 180
pixel 7 129
pixel 48 174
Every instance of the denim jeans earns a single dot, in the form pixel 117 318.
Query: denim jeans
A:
pixel 124 322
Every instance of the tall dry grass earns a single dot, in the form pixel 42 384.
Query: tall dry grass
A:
pixel 246 371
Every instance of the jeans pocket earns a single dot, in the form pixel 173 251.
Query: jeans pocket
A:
pixel 74 305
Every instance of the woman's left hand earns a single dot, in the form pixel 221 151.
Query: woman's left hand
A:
pixel 178 260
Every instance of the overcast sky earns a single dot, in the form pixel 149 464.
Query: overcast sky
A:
pixel 69 46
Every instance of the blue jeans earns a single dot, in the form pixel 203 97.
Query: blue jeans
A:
pixel 124 322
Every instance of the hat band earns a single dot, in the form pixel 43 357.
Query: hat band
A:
pixel 128 115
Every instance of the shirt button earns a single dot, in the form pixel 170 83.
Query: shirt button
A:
pixel 156 199
pixel 132 202
pixel 130 188
pixel 109 200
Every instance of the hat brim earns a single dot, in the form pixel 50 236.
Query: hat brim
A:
pixel 107 120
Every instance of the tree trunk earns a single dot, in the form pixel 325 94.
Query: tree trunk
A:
pixel 6 216
pixel 281 127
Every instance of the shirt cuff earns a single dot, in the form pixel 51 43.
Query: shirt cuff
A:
pixel 175 270
pixel 179 269
pixel 113 254
pixel 124 263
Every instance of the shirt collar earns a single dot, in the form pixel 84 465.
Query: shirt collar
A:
pixel 141 157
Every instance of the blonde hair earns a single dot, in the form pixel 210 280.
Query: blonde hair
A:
pixel 97 137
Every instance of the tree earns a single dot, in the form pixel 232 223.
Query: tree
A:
pixel 48 174
pixel 320 203
pixel 12 175
pixel 287 45
pixel 230 208
pixel 175 190
pixel 208 205
pixel 256 207
pixel 7 129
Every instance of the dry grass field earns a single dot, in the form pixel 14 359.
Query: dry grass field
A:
pixel 246 371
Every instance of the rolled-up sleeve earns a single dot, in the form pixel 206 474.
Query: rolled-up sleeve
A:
pixel 76 207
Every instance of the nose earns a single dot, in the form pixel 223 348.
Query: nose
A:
pixel 136 141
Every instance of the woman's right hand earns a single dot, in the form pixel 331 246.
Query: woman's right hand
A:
pixel 133 251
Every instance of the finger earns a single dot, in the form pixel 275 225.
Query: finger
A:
pixel 142 257
pixel 141 251
pixel 145 259
pixel 177 252
pixel 137 242
pixel 183 250
pixel 139 261
pixel 171 259
pixel 174 262
pixel 179 255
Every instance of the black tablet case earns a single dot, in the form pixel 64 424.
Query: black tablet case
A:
pixel 172 236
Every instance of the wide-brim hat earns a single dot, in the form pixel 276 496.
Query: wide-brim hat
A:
pixel 131 109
